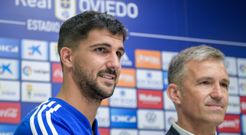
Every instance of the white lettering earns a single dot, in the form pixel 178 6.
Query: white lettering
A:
pixel 58 73
pixel 44 26
pixel 10 112
pixel 8 48
pixel 42 4
pixel 127 78
pixel 230 124
pixel 115 8
pixel 130 119
pixel 149 59
pixel 149 98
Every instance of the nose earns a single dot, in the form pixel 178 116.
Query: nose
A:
pixel 113 62
pixel 217 92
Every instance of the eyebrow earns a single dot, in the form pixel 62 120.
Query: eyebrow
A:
pixel 107 45
pixel 210 78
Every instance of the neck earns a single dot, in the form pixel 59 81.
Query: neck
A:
pixel 197 128
pixel 70 93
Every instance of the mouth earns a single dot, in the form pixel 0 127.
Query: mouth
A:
pixel 108 76
pixel 215 106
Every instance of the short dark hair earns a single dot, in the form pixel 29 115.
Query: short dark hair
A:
pixel 77 28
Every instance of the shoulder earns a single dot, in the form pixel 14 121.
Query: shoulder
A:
pixel 44 119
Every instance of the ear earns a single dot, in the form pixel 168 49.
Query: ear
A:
pixel 174 93
pixel 66 56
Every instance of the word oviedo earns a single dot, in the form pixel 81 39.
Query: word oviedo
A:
pixel 115 8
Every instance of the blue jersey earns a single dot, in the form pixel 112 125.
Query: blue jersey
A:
pixel 56 117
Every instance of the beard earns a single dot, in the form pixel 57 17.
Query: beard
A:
pixel 88 85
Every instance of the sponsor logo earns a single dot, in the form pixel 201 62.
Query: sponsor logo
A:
pixel 150 99
pixel 9 48
pixel 150 119
pixel 166 59
pixel 231 66
pixel 241 64
pixel 34 49
pixel 65 9
pixel 57 75
pixel 7 129
pixel 127 78
pixel 243 104
pixel 149 79
pixel 38 71
pixel 104 131
pixel 9 69
pixel 233 87
pixel 148 59
pixel 103 117
pixel 123 118
pixel 125 61
pixel 123 132
pixel 124 97
pixel 9 112
pixel 231 124
pixel 27 70
pixel 233 105
pixel 242 86
pixel 54 55
pixel 35 92
pixel 10 90
pixel 170 118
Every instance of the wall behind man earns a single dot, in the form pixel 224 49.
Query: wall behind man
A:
pixel 30 71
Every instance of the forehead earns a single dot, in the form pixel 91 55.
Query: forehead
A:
pixel 99 33
pixel 211 68
pixel 102 37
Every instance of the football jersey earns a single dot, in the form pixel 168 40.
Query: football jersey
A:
pixel 56 117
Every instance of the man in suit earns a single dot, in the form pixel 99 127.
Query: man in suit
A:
pixel 198 86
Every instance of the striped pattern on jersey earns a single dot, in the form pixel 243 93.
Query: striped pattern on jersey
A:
pixel 40 121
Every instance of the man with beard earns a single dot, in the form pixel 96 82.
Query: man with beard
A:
pixel 90 46
pixel 198 86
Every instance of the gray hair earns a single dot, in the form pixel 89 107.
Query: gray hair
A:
pixel 197 53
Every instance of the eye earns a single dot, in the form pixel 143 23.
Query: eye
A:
pixel 205 82
pixel 119 54
pixel 100 50
pixel 225 85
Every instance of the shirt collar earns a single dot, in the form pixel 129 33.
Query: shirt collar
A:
pixel 182 131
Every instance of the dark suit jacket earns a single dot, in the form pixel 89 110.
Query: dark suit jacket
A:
pixel 172 131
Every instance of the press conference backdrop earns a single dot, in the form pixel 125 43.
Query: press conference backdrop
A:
pixel 30 71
